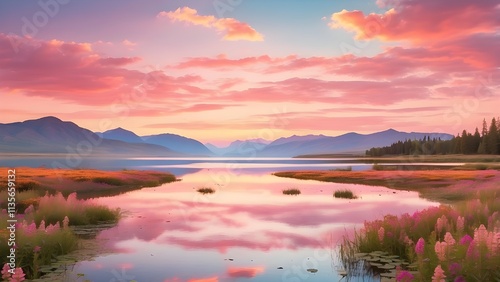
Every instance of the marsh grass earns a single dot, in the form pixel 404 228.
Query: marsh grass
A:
pixel 291 191
pixel 345 194
pixel 349 168
pixel 205 190
pixel 53 208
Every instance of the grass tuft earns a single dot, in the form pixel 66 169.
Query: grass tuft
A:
pixel 292 191
pixel 345 194
pixel 206 190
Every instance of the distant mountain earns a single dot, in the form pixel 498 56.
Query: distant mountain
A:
pixel 239 148
pixel 51 135
pixel 179 144
pixel 346 143
pixel 121 135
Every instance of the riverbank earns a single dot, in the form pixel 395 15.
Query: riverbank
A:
pixel 445 186
pixel 87 183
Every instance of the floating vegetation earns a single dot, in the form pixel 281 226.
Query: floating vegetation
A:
pixel 292 191
pixel 345 194
pixel 206 190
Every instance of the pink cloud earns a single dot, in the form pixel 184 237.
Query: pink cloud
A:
pixel 421 21
pixel 232 28
pixel 210 279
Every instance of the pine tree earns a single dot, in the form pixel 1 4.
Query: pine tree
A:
pixel 492 142
pixel 484 141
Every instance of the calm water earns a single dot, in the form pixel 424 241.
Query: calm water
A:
pixel 244 232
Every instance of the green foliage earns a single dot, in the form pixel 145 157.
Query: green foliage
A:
pixel 81 212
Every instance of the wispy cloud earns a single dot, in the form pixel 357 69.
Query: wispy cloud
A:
pixel 230 27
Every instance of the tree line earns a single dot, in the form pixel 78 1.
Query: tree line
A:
pixel 485 142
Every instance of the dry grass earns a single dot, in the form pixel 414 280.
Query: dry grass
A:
pixel 87 182
pixel 460 184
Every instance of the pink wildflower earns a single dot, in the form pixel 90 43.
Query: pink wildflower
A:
pixel 29 209
pixel 18 275
pixel 404 276
pixel 472 251
pixel 53 227
pixel 381 233
pixel 454 269
pixel 459 279
pixel 65 222
pixel 448 238
pixel 41 227
pixel 441 223
pixel 440 249
pixel 37 249
pixel 438 275
pixel 420 246
pixel 460 224
pixel 5 272
pixel 465 240
pixel 481 235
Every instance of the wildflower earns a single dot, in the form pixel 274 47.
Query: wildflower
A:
pixel 404 276
pixel 29 209
pixel 480 234
pixel 454 269
pixel 438 275
pixel 460 224
pixel 441 224
pixel 440 249
pixel 37 249
pixel 448 238
pixel 381 233
pixel 472 251
pixel 459 279
pixel 5 271
pixel 420 246
pixel 18 275
pixel 42 225
pixel 465 240
pixel 65 222
pixel 53 227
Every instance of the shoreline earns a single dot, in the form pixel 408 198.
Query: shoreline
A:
pixel 444 186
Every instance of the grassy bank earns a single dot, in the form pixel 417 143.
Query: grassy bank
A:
pixel 460 184
pixel 87 183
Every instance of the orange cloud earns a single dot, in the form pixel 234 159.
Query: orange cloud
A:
pixel 421 21
pixel 245 272
pixel 232 28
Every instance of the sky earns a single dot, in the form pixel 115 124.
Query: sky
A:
pixel 221 70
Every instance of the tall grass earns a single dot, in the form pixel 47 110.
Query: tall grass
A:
pixel 345 194
pixel 53 208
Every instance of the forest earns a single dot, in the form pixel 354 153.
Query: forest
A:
pixel 486 141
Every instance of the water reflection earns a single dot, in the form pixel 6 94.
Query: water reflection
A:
pixel 246 230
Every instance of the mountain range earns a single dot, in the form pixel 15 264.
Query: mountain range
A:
pixel 51 135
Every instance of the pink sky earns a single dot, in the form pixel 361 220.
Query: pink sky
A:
pixel 218 76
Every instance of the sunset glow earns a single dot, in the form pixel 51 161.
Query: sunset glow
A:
pixel 217 71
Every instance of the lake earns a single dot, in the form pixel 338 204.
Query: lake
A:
pixel 246 231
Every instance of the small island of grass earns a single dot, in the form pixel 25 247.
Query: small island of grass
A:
pixel 344 194
pixel 292 191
